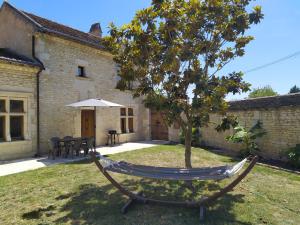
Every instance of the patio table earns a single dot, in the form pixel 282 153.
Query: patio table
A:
pixel 62 141
pixel 74 139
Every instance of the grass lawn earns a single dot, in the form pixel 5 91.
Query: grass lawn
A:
pixel 78 194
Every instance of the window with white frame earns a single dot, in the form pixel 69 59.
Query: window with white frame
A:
pixel 12 118
pixel 126 120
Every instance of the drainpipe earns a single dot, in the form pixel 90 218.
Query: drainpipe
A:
pixel 38 153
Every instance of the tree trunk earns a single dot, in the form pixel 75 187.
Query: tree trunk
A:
pixel 188 143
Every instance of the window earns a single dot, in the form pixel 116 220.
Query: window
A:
pixel 130 111
pixel 123 125
pixel 16 106
pixel 2 106
pixel 126 120
pixel 81 71
pixel 2 128
pixel 123 112
pixel 12 118
pixel 130 120
pixel 130 125
pixel 16 127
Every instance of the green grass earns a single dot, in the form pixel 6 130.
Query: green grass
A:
pixel 78 194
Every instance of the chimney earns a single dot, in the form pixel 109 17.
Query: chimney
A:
pixel 96 30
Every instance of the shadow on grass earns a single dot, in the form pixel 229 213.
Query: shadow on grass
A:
pixel 94 204
pixel 36 214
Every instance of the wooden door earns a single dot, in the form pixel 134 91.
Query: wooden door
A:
pixel 88 123
pixel 159 130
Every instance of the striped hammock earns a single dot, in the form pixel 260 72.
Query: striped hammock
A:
pixel 165 173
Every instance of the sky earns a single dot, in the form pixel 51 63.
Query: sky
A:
pixel 277 36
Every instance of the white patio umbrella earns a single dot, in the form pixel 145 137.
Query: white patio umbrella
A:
pixel 92 102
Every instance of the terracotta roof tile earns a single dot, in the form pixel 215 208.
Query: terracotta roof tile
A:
pixel 65 31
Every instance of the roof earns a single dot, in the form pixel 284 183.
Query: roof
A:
pixel 13 57
pixel 266 102
pixel 57 29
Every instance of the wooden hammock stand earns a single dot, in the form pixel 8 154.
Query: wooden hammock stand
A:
pixel 202 204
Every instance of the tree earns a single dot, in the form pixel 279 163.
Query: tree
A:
pixel 247 137
pixel 262 92
pixel 172 53
pixel 294 89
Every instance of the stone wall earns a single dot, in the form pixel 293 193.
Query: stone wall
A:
pixel 60 86
pixel 174 134
pixel 280 116
pixel 15 33
pixel 19 82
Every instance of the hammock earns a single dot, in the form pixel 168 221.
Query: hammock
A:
pixel 165 173
pixel 106 165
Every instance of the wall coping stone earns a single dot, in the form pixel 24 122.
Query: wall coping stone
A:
pixel 266 102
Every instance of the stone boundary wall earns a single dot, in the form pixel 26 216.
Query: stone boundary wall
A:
pixel 280 116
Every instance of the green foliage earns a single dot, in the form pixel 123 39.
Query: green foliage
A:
pixel 173 48
pixel 227 122
pixel 293 156
pixel 173 51
pixel 196 137
pixel 262 92
pixel 247 138
pixel 294 89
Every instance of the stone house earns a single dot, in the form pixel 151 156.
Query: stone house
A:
pixel 44 66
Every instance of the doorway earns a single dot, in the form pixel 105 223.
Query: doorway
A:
pixel 88 123
pixel 159 129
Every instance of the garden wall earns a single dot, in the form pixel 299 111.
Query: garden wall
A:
pixel 280 116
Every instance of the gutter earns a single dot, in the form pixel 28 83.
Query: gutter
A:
pixel 19 62
pixel 38 153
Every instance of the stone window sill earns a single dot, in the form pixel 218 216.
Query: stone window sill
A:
pixel 83 78
pixel 14 142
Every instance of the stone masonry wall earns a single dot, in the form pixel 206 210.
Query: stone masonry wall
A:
pixel 60 86
pixel 280 116
pixel 15 33
pixel 18 81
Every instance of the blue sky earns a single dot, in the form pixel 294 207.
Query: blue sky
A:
pixel 276 37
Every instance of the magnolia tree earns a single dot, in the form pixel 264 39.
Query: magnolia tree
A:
pixel 172 53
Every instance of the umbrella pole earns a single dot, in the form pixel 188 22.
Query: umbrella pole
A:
pixel 95 115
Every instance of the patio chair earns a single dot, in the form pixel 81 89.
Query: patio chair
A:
pixel 90 145
pixel 54 147
pixel 218 173
pixel 67 145
pixel 76 147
